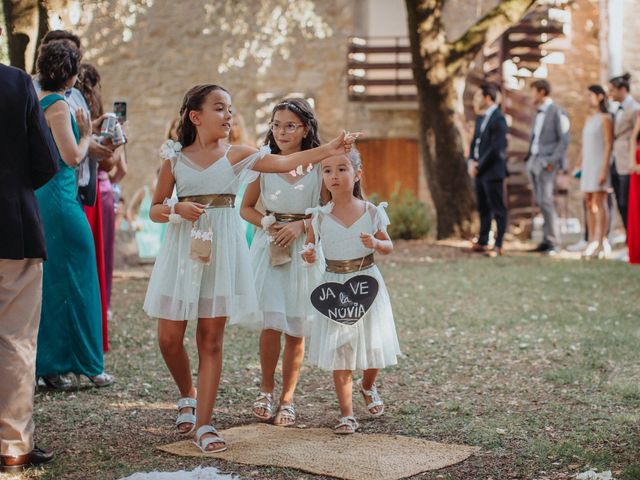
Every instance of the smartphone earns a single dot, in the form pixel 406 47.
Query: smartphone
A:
pixel 120 109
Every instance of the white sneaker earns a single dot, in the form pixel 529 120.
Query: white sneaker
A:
pixel 591 250
pixel 579 246
pixel 606 249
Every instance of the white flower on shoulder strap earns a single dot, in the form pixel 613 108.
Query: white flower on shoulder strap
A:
pixel 382 219
pixel 170 149
pixel 328 208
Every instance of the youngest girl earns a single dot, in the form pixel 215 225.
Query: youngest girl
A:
pixel 352 230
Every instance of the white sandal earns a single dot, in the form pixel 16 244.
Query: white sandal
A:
pixel 349 422
pixel 286 412
pixel 376 400
pixel 202 444
pixel 265 402
pixel 186 418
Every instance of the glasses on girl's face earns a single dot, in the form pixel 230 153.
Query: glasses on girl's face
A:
pixel 288 127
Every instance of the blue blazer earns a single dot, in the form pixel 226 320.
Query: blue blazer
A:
pixel 29 159
pixel 492 158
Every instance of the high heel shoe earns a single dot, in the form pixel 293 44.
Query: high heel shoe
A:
pixel 57 382
pixel 592 251
pixel 102 380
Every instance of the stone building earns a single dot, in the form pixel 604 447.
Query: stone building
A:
pixel 149 52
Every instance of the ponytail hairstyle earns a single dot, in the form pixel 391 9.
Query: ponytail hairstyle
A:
pixel 622 81
pixel 603 104
pixel 193 100
pixel 301 109
pixel 356 163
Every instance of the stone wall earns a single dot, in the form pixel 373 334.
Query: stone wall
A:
pixel 167 53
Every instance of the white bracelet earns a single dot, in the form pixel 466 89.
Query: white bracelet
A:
pixel 173 216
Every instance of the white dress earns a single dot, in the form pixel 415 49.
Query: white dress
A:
pixel 183 289
pixel 283 291
pixel 371 342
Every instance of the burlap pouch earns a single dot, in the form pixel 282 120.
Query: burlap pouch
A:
pixel 201 241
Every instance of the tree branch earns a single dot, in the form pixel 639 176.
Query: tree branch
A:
pixel 495 22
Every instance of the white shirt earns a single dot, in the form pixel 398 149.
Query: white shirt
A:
pixel 565 125
pixel 483 125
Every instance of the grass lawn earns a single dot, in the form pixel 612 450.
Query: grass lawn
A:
pixel 535 360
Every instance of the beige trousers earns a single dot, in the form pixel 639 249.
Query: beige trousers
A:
pixel 20 302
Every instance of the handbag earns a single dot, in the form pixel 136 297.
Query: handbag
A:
pixel 201 242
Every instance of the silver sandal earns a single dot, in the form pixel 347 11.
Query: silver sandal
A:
pixel 265 402
pixel 349 422
pixel 202 444
pixel 286 412
pixel 186 418
pixel 376 400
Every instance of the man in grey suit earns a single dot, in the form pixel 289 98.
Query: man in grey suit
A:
pixel 625 119
pixel 547 156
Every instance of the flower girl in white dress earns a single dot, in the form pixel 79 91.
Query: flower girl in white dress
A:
pixel 282 278
pixel 351 230
pixel 202 271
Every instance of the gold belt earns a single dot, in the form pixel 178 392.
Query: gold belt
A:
pixel 350 266
pixel 214 200
pixel 288 217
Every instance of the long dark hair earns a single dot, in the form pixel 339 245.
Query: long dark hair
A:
pixel 193 100
pixel 603 105
pixel 89 85
pixel 622 81
pixel 301 109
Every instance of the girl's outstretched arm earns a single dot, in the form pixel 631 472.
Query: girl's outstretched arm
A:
pixel 272 163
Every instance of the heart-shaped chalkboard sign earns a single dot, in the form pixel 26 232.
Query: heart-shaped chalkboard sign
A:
pixel 347 302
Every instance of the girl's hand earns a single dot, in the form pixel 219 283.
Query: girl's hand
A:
pixel 189 210
pixel 84 124
pixel 310 255
pixel 369 241
pixel 342 143
pixel 285 234
pixel 603 178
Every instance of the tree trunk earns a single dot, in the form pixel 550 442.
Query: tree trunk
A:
pixel 440 69
pixel 440 140
pixel 43 28
pixel 22 27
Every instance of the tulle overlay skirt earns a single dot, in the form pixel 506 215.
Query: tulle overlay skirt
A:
pixel 284 291
pixel 370 343
pixel 183 289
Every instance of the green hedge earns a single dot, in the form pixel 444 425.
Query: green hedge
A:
pixel 410 218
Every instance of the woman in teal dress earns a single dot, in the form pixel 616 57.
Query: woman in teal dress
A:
pixel 70 335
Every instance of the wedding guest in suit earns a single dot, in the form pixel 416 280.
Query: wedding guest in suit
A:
pixel 546 157
pixel 623 157
pixel 28 161
pixel 487 164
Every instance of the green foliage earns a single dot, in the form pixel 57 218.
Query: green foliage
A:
pixel 410 218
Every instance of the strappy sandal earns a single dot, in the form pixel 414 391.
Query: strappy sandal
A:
pixel 265 402
pixel 376 401
pixel 202 444
pixel 350 422
pixel 285 412
pixel 186 418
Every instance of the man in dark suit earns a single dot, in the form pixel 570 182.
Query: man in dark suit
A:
pixel 487 164
pixel 28 161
